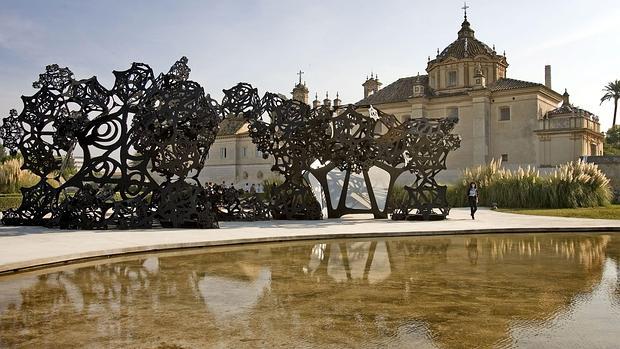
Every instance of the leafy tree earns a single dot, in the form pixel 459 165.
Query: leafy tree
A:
pixel 612 141
pixel 3 154
pixel 612 136
pixel 6 155
pixel 612 92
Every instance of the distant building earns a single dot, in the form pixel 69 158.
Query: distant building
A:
pixel 520 122
pixel 233 158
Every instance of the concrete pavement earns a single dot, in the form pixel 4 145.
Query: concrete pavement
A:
pixel 30 247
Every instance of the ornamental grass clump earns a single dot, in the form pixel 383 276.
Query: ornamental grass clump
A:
pixel 579 184
pixel 574 184
pixel 12 177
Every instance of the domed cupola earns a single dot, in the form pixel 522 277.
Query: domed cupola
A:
pixel 466 31
pixel 466 45
pixel 453 69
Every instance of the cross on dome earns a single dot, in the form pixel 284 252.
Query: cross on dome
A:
pixel 464 8
pixel 300 74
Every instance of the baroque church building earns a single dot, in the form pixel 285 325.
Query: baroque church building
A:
pixel 520 122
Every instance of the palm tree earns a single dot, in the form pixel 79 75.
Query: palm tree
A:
pixel 612 91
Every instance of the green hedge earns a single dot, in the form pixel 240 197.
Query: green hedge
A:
pixel 9 201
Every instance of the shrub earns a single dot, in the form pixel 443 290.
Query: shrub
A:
pixel 574 184
pixel 7 202
pixel 398 197
pixel 456 196
pixel 12 177
pixel 269 184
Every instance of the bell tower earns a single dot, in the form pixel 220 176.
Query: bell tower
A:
pixel 371 85
pixel 300 92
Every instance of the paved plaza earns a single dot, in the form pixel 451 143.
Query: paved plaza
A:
pixel 27 247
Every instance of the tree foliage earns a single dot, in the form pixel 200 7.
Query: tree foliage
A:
pixel 612 141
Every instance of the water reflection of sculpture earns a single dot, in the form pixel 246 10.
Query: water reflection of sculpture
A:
pixel 320 141
pixel 456 300
pixel 357 290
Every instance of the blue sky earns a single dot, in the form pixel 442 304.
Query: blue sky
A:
pixel 336 43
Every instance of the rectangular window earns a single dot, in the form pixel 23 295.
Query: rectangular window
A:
pixel 223 153
pixel 504 113
pixel 504 157
pixel 452 78
pixel 244 152
pixel 452 112
pixel 593 149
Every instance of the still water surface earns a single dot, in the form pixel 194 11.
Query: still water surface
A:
pixel 495 291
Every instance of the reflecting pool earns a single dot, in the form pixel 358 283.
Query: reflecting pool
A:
pixel 485 291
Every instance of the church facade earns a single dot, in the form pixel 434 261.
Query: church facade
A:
pixel 520 122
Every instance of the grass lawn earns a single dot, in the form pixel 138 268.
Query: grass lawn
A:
pixel 603 212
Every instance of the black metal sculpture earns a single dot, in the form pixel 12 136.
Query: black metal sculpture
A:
pixel 233 205
pixel 427 143
pixel 379 141
pixel 144 124
pixel 284 129
pixel 350 139
pixel 145 141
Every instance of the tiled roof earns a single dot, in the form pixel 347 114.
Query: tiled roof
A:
pixel 402 89
pixel 465 47
pixel 397 91
pixel 569 109
pixel 231 125
pixel 510 84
